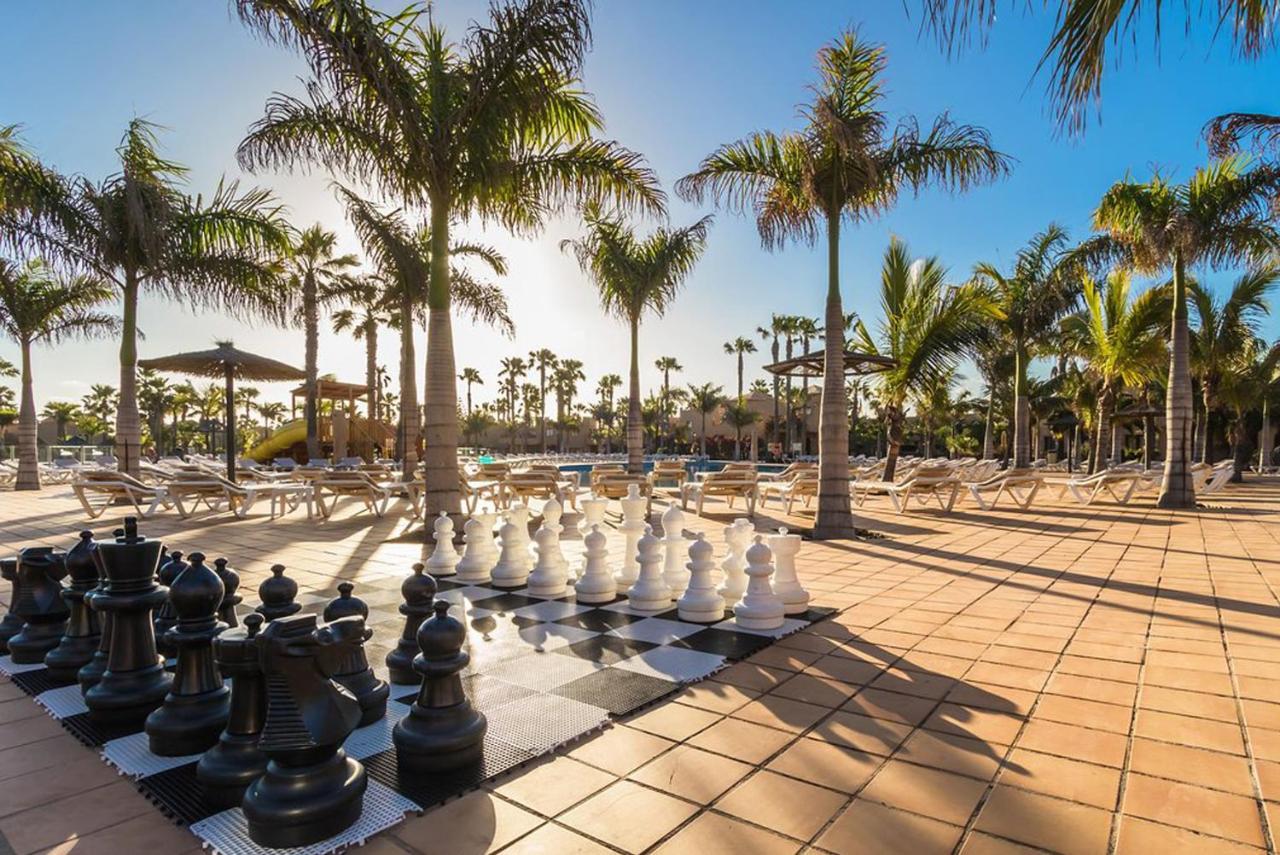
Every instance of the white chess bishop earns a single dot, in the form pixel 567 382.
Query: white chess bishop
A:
pixel 596 584
pixel 633 527
pixel 511 571
pixel 759 608
pixel 650 592
pixel 737 538
pixel 701 602
pixel 444 558
pixel 548 578
pixel 786 582
pixel 674 551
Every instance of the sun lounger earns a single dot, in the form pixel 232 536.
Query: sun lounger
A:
pixel 188 490
pixel 674 471
pixel 615 485
pixel 375 495
pixel 1121 484
pixel 1020 485
pixel 730 484
pixel 1219 476
pixel 99 490
pixel 537 485
pixel 924 482
pixel 803 486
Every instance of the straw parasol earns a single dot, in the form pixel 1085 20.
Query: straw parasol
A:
pixel 230 364
pixel 814 364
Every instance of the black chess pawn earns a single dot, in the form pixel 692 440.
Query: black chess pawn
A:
pixel 39 604
pixel 442 730
pixel 91 673
pixel 277 594
pixel 11 625
pixel 227 769
pixel 419 592
pixel 171 566
pixel 195 710
pixel 354 674
pixel 82 635
pixel 134 682
pixel 311 790
pixel 230 599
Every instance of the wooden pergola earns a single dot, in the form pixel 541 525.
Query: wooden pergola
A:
pixel 330 390
pixel 812 364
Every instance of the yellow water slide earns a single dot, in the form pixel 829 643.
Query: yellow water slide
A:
pixel 281 440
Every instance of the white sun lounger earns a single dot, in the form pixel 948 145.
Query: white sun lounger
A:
pixel 1020 485
pixel 99 490
pixel 1120 483
pixel 924 482
pixel 189 489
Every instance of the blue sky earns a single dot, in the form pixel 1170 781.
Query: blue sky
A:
pixel 674 79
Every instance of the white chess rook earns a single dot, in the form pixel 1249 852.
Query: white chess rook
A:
pixel 673 544
pixel 786 582
pixel 444 558
pixel 548 578
pixel 476 562
pixel 737 538
pixel 701 602
pixel 596 584
pixel 760 608
pixel 650 592
pixel 511 571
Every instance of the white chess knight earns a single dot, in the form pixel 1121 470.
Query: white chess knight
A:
pixel 737 538
pixel 701 602
pixel 786 583
pixel 592 514
pixel 489 520
pixel 596 584
pixel 511 571
pixel 632 527
pixel 519 515
pixel 548 578
pixel 444 558
pixel 760 607
pixel 476 562
pixel 552 512
pixel 650 592
pixel 673 544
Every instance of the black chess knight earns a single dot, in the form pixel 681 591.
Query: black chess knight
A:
pixel 354 674
pixel 311 790
pixel 11 625
pixel 83 634
pixel 227 769
pixel 39 603
pixel 419 592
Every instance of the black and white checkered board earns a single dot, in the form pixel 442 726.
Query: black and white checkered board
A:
pixel 545 672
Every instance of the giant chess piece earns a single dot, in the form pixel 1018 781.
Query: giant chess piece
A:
pixel 674 551
pixel 91 673
pixel 444 558
pixel 737 538
pixel 650 593
pixel 353 673
pixel 596 584
pixel 230 599
pixel 552 513
pixel 548 578
pixel 135 682
pixel 311 790
pixel 701 602
pixel 277 594
pixel 593 511
pixel 786 583
pixel 40 605
pixel 759 608
pixel 11 625
pixel 633 527
pixel 195 710
pixel 83 634
pixel 489 519
pixel 419 592
pixel 227 769
pixel 511 571
pixel 519 514
pixel 171 567
pixel 442 730
pixel 476 562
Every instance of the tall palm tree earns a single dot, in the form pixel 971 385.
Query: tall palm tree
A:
pixel 544 360
pixel 271 412
pixel 634 276
pixel 366 310
pixel 926 325
pixel 666 364
pixel 845 164
pixel 140 231
pixel 513 369
pixel 737 348
pixel 568 374
pixel 705 400
pixel 1223 330
pixel 1220 217
pixel 39 307
pixel 773 334
pixel 606 386
pixel 1027 304
pixel 471 377
pixel 740 416
pixel 496 127
pixel 61 413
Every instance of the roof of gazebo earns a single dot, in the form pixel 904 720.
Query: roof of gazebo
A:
pixel 811 364
pixel 214 363
pixel 334 390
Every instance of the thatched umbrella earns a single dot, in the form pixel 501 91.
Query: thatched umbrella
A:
pixel 228 363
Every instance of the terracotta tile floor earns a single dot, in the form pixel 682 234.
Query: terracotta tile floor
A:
pixel 1101 679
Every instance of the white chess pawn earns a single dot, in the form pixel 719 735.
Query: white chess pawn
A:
pixel 593 511
pixel 596 584
pixel 650 592
pixel 511 570
pixel 701 602
pixel 760 608
pixel 548 577
pixel 736 538
pixel 673 544
pixel 444 558
pixel 552 512
pixel 632 527
pixel 519 515
pixel 476 562
pixel 786 583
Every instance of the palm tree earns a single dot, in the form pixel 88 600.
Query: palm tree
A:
pixel 544 360
pixel 271 412
pixel 739 346
pixel 496 128
pixel 567 375
pixel 512 370
pixel 1220 217
pixel 245 396
pixel 475 423
pixel 140 231
pixel 1027 304
pixel 666 364
pixel 471 377
pixel 635 276
pixel 154 393
pixel 61 413
pixel 1124 341
pixel 39 307
pixel 926 326
pixel 1223 330
pixel 844 164
pixel 705 400
pixel 366 299
pixel 773 334
pixel 740 416
pixel 605 409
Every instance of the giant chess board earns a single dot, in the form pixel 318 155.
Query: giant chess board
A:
pixel 544 671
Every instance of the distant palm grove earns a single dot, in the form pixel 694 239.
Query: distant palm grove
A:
pixel 1140 339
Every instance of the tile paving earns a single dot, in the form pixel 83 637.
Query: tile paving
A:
pixel 1101 679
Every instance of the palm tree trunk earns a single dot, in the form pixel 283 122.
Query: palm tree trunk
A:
pixel 893 437
pixel 777 425
pixel 28 465
pixel 1264 438
pixel 311 335
pixel 371 370
pixel 703 444
pixel 128 428
pixel 834 519
pixel 1206 394
pixel 441 428
pixel 542 406
pixel 635 423
pixel 988 431
pixel 1021 412
pixel 409 425
pixel 1102 445
pixel 1176 489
